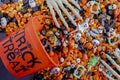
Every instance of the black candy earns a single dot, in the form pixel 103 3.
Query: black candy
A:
pixel 43 41
pixel 25 1
pixel 24 10
pixel 119 45
pixel 82 49
pixel 34 9
pixel 1 3
pixel 14 0
pixel 5 1
pixel 43 32
pixel 38 77
pixel 66 76
pixel 48 48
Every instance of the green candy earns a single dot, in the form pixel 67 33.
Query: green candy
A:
pixel 107 0
pixel 93 61
pixel 55 37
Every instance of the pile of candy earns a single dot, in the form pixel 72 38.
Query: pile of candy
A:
pixel 93 44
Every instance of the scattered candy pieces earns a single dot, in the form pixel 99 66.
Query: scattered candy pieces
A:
pixel 85 35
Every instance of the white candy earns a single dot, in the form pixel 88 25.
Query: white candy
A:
pixel 112 30
pixel 78 36
pixel 101 40
pixel 118 38
pixel 32 3
pixel 117 54
pixel 55 70
pixel 101 67
pixel 72 65
pixel 117 51
pixel 77 60
pixel 108 72
pixel 88 34
pixel 82 27
pixel 77 10
pixel 97 11
pixel 73 16
pixel 100 29
pixel 112 43
pixel 90 3
pixel 67 68
pixel 56 33
pixel 76 71
pixel 112 6
pixel 65 43
pixel 94 32
pixel 3 21
pixel 95 42
pixel 62 59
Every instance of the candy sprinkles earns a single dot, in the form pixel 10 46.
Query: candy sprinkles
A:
pixel 85 32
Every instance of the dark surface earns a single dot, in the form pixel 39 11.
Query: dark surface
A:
pixel 4 74
pixel 2 35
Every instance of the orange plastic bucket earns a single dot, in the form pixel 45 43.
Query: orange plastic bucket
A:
pixel 22 52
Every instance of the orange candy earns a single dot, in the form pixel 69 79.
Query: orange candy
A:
pixel 4 6
pixel 89 45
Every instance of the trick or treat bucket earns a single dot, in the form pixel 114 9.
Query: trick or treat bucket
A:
pixel 22 52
